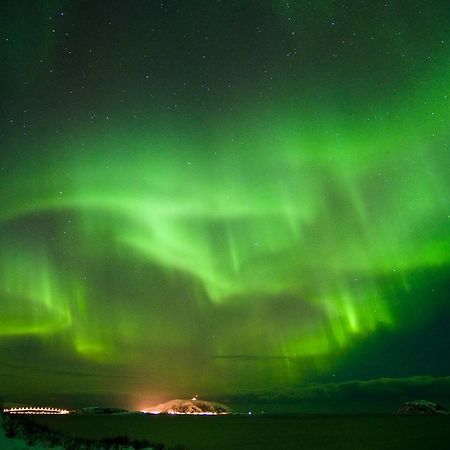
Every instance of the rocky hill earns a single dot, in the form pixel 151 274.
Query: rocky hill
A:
pixel 193 406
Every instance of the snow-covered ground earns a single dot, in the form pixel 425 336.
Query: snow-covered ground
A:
pixel 17 444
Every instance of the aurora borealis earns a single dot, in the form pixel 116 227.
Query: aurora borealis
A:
pixel 222 197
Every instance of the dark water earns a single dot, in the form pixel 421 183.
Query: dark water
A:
pixel 267 432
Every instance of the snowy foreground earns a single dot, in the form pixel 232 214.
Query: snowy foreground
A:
pixel 18 444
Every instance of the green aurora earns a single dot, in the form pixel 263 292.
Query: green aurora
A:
pixel 254 232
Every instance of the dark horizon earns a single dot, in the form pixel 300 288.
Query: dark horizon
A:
pixel 350 397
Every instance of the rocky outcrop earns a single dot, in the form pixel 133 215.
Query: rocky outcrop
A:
pixel 422 407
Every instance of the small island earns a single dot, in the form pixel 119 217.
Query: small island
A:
pixel 422 407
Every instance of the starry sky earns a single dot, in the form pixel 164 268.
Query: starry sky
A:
pixel 248 201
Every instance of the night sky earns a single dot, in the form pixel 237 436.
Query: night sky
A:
pixel 248 201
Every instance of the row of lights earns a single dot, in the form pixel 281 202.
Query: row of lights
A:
pixel 35 410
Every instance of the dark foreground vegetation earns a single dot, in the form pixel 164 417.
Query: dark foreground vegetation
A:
pixel 32 433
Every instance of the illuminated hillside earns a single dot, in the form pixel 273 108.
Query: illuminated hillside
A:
pixel 192 406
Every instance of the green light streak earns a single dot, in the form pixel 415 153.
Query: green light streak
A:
pixel 321 211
